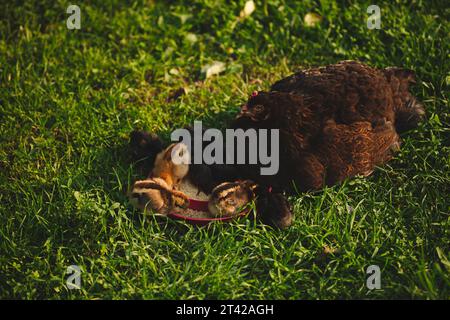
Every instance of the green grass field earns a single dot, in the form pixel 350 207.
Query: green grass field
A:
pixel 69 98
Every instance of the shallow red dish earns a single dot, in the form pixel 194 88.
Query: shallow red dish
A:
pixel 202 206
pixel 199 205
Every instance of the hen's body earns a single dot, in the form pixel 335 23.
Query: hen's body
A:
pixel 335 122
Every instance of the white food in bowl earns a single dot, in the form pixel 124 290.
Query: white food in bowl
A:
pixel 192 191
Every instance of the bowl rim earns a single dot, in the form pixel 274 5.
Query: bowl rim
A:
pixel 199 205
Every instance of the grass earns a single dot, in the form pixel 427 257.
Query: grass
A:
pixel 69 98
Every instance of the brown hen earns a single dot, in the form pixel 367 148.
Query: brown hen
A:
pixel 335 122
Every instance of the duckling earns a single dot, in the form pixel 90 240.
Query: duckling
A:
pixel 228 198
pixel 172 164
pixel 155 194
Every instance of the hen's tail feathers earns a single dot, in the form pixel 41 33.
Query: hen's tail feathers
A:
pixel 409 115
pixel 408 110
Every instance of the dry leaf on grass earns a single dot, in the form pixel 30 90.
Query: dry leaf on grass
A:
pixel 311 19
pixel 213 68
pixel 329 250
pixel 249 7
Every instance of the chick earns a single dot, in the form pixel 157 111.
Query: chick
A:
pixel 144 147
pixel 155 194
pixel 228 198
pixel 172 164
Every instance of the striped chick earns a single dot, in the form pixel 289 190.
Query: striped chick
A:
pixel 156 195
pixel 228 198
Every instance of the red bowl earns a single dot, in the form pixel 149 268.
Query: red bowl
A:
pixel 203 206
pixel 199 205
